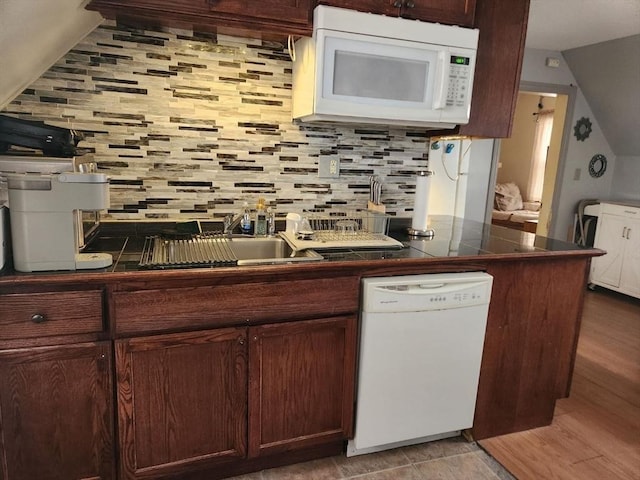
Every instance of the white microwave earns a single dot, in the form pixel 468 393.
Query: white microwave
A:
pixel 366 68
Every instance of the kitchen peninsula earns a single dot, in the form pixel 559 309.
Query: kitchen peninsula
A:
pixel 213 372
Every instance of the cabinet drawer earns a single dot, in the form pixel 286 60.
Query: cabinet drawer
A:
pixel 31 315
pixel 222 305
pixel 621 210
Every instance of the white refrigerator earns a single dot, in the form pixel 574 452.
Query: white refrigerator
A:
pixel 461 175
pixel 449 162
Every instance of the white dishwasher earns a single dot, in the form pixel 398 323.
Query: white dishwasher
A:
pixel 421 343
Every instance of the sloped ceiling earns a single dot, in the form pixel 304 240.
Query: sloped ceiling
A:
pixel 34 34
pixel 565 24
pixel 600 40
pixel 608 74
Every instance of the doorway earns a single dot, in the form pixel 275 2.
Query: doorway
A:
pixel 514 162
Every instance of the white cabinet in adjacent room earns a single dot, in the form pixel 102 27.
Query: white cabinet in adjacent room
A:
pixel 618 233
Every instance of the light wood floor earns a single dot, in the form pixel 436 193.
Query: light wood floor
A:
pixel 595 432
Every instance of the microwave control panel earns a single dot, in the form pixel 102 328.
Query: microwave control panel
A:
pixel 459 81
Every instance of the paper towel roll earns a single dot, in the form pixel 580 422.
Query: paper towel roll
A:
pixel 421 201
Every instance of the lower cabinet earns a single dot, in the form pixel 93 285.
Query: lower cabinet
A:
pixel 181 401
pixel 301 384
pixel 188 402
pixel 56 413
pixel 618 233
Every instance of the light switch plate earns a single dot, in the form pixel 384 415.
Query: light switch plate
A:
pixel 328 167
pixel 553 62
pixel 577 173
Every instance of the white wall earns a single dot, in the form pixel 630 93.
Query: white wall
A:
pixel 579 153
pixel 626 179
pixel 609 76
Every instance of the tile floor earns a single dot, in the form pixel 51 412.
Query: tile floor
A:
pixel 448 459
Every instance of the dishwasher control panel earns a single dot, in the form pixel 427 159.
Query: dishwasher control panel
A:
pixel 426 292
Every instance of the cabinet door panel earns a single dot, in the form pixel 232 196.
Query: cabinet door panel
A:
pixel 456 12
pixel 56 413
pixel 503 28
pixel 382 7
pixel 181 401
pixel 205 12
pixel 630 275
pixel 609 237
pixel 294 11
pixel 301 383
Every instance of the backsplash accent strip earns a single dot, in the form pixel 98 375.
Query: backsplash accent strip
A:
pixel 190 125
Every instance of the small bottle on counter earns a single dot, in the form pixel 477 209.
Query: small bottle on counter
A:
pixel 261 219
pixel 245 223
pixel 271 222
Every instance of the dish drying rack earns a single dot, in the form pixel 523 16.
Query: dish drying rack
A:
pixel 343 231
pixel 198 250
pixel 349 226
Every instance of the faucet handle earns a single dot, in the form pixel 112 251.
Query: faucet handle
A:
pixel 271 222
pixel 228 220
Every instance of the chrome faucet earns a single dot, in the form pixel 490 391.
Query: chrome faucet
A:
pixel 230 223
pixel 243 219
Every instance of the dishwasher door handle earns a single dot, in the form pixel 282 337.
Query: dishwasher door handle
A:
pixel 426 288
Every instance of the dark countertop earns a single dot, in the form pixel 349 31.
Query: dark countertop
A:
pixel 454 238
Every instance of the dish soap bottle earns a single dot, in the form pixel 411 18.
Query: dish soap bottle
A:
pixel 245 223
pixel 261 219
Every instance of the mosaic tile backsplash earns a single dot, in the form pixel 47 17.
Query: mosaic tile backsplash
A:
pixel 190 125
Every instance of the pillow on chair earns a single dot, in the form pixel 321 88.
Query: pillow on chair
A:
pixel 508 197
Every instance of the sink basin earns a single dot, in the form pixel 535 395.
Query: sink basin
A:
pixel 217 250
pixel 255 251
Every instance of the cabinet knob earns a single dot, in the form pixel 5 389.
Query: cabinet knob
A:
pixel 241 340
pixel 38 318
pixel 624 232
pixel 628 232
pixel 397 3
pixel 255 338
pixel 410 4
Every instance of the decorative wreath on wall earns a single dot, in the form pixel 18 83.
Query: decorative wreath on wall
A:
pixel 597 165
pixel 582 129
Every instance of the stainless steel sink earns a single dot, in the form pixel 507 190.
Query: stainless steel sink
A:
pixel 259 250
pixel 202 250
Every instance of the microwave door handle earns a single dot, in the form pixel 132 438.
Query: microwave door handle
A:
pixel 440 92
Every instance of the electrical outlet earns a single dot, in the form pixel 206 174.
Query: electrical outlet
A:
pixel 328 168
pixel 576 173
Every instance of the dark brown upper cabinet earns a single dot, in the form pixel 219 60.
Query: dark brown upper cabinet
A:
pixel 243 17
pixel 453 12
pixel 503 28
